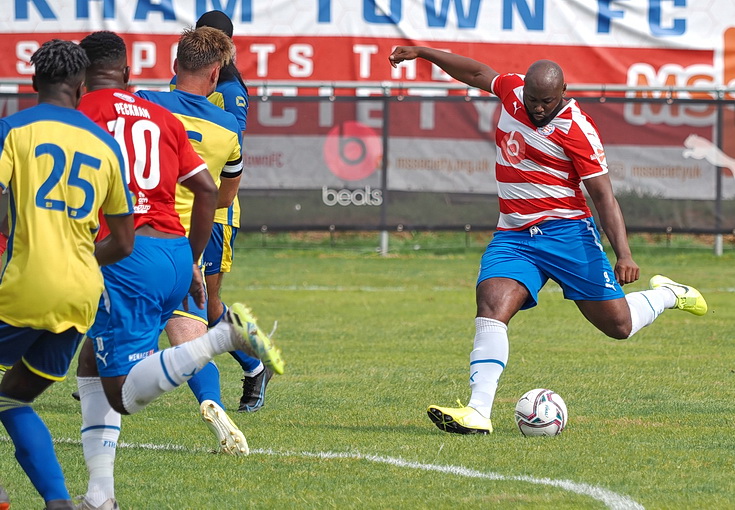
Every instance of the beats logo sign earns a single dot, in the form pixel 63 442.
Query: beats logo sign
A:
pixel 352 151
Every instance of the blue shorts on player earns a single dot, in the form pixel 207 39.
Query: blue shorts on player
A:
pixel 44 353
pixel 219 253
pixel 567 251
pixel 141 293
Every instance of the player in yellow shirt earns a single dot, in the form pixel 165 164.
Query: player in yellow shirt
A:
pixel 59 170
pixel 215 136
pixel 232 96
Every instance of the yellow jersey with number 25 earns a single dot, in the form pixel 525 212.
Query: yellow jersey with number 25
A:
pixel 59 169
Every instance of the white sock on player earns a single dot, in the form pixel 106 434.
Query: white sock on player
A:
pixel 646 305
pixel 100 433
pixel 165 370
pixel 487 362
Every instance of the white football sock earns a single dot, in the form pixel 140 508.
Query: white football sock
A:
pixel 255 371
pixel 100 432
pixel 646 305
pixel 163 371
pixel 487 362
pixel 669 297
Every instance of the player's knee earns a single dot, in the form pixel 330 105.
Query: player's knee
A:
pixel 118 406
pixel 113 392
pixel 619 330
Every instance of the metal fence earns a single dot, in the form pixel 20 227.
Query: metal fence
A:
pixel 384 158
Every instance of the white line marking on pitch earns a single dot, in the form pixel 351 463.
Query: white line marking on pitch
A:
pixel 611 499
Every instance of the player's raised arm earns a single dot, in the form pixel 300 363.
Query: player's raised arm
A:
pixel 467 70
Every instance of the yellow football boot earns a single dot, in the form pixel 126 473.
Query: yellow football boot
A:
pixel 688 298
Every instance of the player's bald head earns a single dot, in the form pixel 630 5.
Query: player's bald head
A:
pixel 545 75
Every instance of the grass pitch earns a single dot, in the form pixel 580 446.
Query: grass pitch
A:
pixel 371 341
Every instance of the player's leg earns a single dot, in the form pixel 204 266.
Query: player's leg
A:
pixel 46 359
pixel 216 310
pixel 571 253
pixel 182 328
pixel 169 368
pixel 503 289
pixel 575 258
pixel 215 307
pixel 126 328
pixel 189 324
pixel 256 375
pixel 100 430
pixel 622 318
pixel 218 257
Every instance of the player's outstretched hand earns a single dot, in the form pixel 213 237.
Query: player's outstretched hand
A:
pixel 402 53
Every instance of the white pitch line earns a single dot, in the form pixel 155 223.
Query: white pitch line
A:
pixel 363 288
pixel 610 499
pixel 555 289
pixel 339 288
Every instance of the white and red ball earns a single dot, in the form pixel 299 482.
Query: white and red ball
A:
pixel 541 412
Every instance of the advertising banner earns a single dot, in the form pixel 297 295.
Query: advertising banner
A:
pixel 447 145
pixel 682 43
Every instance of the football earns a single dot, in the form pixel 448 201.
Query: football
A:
pixel 541 412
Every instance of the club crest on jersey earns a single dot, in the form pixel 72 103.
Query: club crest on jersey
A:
pixel 545 130
pixel 124 97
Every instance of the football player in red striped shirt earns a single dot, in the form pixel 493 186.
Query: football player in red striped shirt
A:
pixel 546 148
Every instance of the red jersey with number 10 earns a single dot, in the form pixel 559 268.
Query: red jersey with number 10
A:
pixel 539 169
pixel 156 150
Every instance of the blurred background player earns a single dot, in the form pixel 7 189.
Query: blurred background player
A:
pixel 215 135
pixel 142 291
pixel 547 146
pixel 231 95
pixel 60 169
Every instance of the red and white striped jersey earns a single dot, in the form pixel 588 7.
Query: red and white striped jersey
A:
pixel 539 169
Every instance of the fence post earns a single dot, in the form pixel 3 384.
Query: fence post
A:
pixel 384 174
pixel 718 181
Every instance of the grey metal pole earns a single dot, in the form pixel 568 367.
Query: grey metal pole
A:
pixel 384 175
pixel 718 181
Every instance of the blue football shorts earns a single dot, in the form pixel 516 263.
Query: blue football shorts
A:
pixel 141 293
pixel 46 354
pixel 219 253
pixel 567 251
